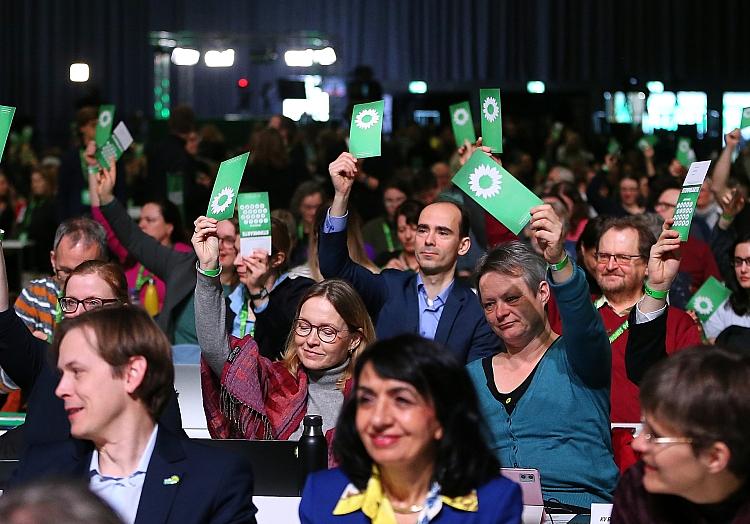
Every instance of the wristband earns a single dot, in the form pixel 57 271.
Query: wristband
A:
pixel 653 293
pixel 211 273
pixel 560 265
pixel 259 296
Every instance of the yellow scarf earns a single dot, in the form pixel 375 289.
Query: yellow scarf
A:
pixel 373 502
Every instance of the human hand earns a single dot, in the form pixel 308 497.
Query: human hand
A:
pixel 206 242
pixel 547 228
pixel 664 258
pixel 343 173
pixel 395 263
pixel 467 149
pixel 257 269
pixel 648 153
pixel 732 138
pixel 731 202
pixel 105 182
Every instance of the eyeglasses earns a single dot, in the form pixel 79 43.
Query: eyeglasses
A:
pixel 325 332
pixel 738 261
pixel 70 304
pixel 651 438
pixel 664 205
pixel 620 260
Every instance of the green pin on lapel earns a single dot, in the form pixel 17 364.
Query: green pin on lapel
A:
pixel 174 479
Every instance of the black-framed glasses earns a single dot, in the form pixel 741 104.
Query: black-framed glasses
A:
pixel 620 260
pixel 326 332
pixel 70 304
pixel 738 261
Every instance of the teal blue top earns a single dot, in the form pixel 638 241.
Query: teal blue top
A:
pixel 560 425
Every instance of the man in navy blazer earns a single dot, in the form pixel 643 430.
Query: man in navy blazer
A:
pixel 431 303
pixel 117 376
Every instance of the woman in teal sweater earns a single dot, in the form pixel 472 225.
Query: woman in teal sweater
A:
pixel 546 399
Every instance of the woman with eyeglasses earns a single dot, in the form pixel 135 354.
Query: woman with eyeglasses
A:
pixel 695 457
pixel 247 395
pixel 736 310
pixel 23 357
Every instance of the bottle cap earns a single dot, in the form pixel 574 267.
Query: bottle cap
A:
pixel 313 420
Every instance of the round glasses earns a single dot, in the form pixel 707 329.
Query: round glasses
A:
pixel 326 333
pixel 70 304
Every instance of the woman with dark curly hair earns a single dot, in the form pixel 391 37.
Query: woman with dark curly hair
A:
pixel 410 447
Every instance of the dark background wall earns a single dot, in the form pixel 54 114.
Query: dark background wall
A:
pixel 573 45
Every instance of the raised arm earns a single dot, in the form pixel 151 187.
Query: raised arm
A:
pixel 210 306
pixel 724 163
pixel 148 251
pixel 585 338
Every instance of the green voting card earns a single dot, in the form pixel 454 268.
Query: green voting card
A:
pixel 226 187
pixel 744 122
pixel 255 222
pixel 365 130
pixel 683 213
pixel 710 297
pixel 497 191
pixel 492 121
pixel 104 124
pixel 6 117
pixel 463 124
pixel 685 154
pixel 114 146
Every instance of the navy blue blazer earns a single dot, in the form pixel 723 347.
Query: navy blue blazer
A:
pixel 391 299
pixel 499 503
pixel 215 486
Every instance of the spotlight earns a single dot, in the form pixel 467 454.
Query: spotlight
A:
pixel 183 56
pixel 214 58
pixel 654 86
pixel 299 58
pixel 79 72
pixel 325 56
pixel 535 86
pixel 418 87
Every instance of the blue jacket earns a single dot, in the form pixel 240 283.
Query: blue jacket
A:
pixel 560 425
pixel 391 299
pixel 499 503
pixel 214 486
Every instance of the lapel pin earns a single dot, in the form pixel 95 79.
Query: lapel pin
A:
pixel 174 479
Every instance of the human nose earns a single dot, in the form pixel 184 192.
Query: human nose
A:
pixel 238 259
pixel 312 338
pixel 611 263
pixel 430 238
pixel 63 387
pixel 640 443
pixel 381 414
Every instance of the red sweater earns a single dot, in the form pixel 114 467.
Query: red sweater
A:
pixel 625 406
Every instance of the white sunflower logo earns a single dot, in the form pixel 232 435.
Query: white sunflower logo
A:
pixel 487 188
pixel 490 108
pixel 684 146
pixel 703 305
pixel 371 117
pixel 105 119
pixel 460 116
pixel 217 206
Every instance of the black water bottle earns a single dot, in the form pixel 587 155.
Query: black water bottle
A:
pixel 313 448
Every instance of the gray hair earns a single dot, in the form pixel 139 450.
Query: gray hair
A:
pixel 82 229
pixel 514 259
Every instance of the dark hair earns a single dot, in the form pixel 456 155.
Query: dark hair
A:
pixel 580 210
pixel 590 235
pixel 646 237
pixel 740 297
pixel 269 149
pixel 464 226
pixel 181 120
pixel 463 460
pixel 513 259
pixel 109 272
pixel 122 333
pixel 410 209
pixel 82 229
pixel 703 393
pixel 305 189
pixel 60 501
pixel 171 215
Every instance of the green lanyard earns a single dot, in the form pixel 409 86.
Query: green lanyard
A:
pixel 388 237
pixel 300 231
pixel 141 279
pixel 617 332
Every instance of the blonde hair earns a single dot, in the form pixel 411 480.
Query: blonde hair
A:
pixel 349 305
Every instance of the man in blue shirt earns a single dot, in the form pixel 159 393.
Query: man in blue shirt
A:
pixel 116 377
pixel 431 302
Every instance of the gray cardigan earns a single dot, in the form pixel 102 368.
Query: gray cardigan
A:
pixel 211 321
pixel 175 269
